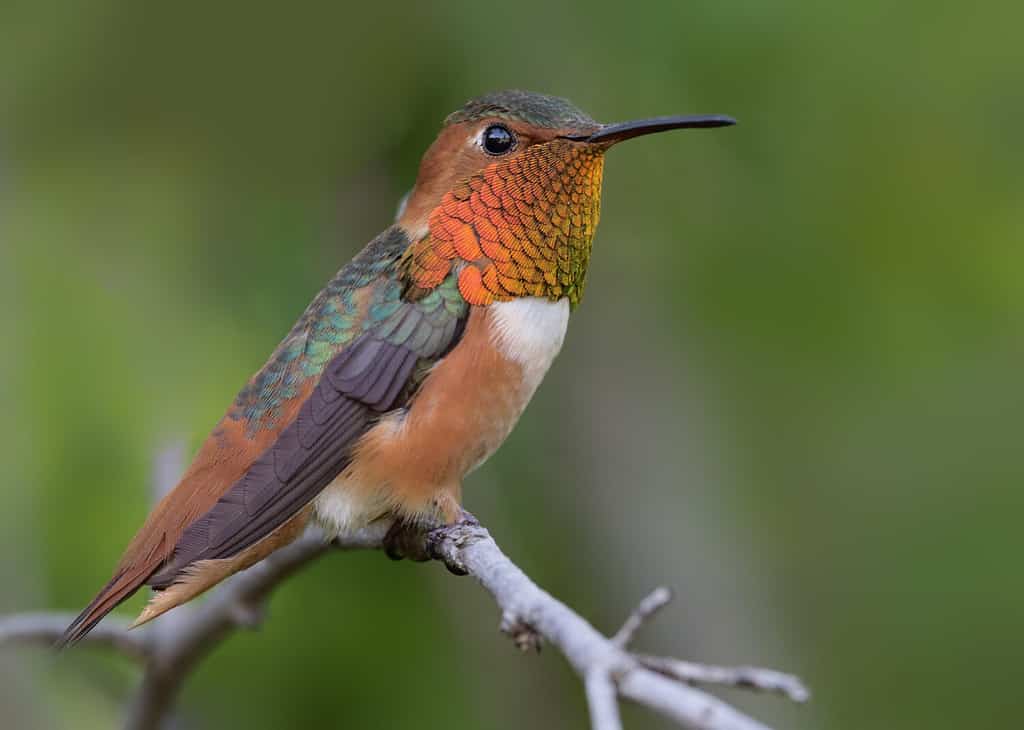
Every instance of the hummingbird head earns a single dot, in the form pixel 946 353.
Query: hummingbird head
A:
pixel 509 195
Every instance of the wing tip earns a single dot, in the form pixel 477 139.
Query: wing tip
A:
pixel 78 629
pixel 120 588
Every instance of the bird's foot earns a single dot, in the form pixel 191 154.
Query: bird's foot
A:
pixel 407 540
pixel 443 542
pixel 420 543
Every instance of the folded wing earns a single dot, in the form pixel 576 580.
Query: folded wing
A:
pixel 358 351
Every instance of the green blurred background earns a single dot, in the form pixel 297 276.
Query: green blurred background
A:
pixel 793 391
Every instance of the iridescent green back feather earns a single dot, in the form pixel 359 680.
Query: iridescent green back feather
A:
pixel 332 321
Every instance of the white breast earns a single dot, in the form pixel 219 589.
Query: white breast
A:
pixel 530 332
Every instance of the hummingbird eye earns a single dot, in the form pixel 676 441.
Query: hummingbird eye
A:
pixel 497 140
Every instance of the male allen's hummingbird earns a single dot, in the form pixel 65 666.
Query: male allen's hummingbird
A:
pixel 412 365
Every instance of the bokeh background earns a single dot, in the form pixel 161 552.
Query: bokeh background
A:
pixel 793 391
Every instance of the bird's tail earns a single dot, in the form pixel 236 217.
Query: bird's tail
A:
pixel 120 588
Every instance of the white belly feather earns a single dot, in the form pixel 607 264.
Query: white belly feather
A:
pixel 530 331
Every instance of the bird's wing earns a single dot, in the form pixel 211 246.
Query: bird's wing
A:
pixel 366 379
pixel 356 353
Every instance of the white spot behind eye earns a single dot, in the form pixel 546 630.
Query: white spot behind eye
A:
pixel 477 140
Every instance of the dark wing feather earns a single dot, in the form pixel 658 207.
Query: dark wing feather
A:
pixel 368 378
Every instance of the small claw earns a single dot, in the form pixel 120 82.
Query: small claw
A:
pixel 410 541
pixel 456 568
pixel 435 540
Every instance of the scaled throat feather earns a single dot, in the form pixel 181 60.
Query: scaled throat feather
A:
pixel 520 227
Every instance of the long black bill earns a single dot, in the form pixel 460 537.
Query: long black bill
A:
pixel 611 133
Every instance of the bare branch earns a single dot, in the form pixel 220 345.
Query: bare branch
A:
pixel 602 701
pixel 755 678
pixel 655 601
pixel 689 707
pixel 596 658
pixel 45 628
pixel 529 614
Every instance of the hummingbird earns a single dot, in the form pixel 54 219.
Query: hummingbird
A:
pixel 411 366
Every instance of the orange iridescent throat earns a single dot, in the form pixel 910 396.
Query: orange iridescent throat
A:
pixel 521 227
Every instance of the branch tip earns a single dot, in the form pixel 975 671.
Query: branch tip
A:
pixel 644 612
pixel 752 678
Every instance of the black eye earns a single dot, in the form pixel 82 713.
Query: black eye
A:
pixel 498 140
